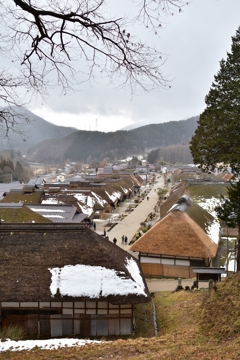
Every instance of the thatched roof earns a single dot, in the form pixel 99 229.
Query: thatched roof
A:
pixel 17 213
pixel 195 212
pixel 174 195
pixel 139 179
pixel 177 235
pixel 30 255
pixel 199 215
pixel 20 196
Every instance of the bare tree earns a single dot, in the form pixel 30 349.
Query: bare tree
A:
pixel 77 40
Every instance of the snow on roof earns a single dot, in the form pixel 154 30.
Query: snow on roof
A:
pixel 85 209
pixel 51 201
pixel 91 199
pixel 209 205
pixel 45 210
pixel 81 197
pixel 85 202
pixel 100 200
pixel 75 280
pixel 115 195
pixel 124 190
pixel 53 216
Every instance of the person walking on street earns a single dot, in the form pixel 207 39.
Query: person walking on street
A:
pixel 126 240
pixel 94 226
pixel 115 241
pixel 123 239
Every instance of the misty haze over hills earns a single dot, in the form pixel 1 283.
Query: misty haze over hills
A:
pixel 145 123
pixel 46 142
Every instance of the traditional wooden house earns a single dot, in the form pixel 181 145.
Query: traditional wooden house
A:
pixel 174 245
pixel 60 213
pixel 64 280
pixel 61 177
pixel 26 195
pixel 16 213
pixel 85 200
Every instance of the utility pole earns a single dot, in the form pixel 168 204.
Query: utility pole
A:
pixel 147 167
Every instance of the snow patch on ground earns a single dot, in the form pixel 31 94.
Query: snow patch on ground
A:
pixel 50 344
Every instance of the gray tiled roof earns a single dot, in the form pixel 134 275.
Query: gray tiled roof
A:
pixel 59 213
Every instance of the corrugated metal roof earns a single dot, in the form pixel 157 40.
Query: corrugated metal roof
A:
pixel 59 213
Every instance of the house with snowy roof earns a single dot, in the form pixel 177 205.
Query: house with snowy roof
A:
pixel 60 213
pixel 61 177
pixel 177 243
pixel 85 200
pixel 25 194
pixel 96 198
pixel 65 280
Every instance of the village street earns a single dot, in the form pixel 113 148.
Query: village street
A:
pixel 131 224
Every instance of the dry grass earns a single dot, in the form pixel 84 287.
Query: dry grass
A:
pixel 192 325
pixel 13 332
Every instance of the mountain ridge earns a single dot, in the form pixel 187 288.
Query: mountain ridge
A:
pixel 43 141
pixel 32 132
pixel 93 146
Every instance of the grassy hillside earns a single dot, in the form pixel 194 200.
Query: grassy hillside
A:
pixel 192 325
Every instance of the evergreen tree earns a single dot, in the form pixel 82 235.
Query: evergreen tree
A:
pixel 153 156
pixel 217 137
pixel 229 212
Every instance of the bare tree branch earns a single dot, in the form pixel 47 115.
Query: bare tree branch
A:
pixel 74 40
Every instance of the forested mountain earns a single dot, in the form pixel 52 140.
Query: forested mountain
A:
pixel 173 154
pixel 87 146
pixel 90 146
pixel 31 133
pixel 165 134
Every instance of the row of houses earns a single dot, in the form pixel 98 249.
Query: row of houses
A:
pixel 59 277
pixel 187 236
pixel 76 201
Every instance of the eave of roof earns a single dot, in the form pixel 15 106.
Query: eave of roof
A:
pixel 29 251
pixel 177 235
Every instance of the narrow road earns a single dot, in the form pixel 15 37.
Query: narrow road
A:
pixel 131 223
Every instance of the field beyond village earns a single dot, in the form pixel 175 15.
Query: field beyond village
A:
pixel 191 325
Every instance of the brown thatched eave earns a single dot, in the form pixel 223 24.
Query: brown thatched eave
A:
pixel 176 235
pixel 29 251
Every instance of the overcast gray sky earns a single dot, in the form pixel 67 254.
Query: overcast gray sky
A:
pixel 194 40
